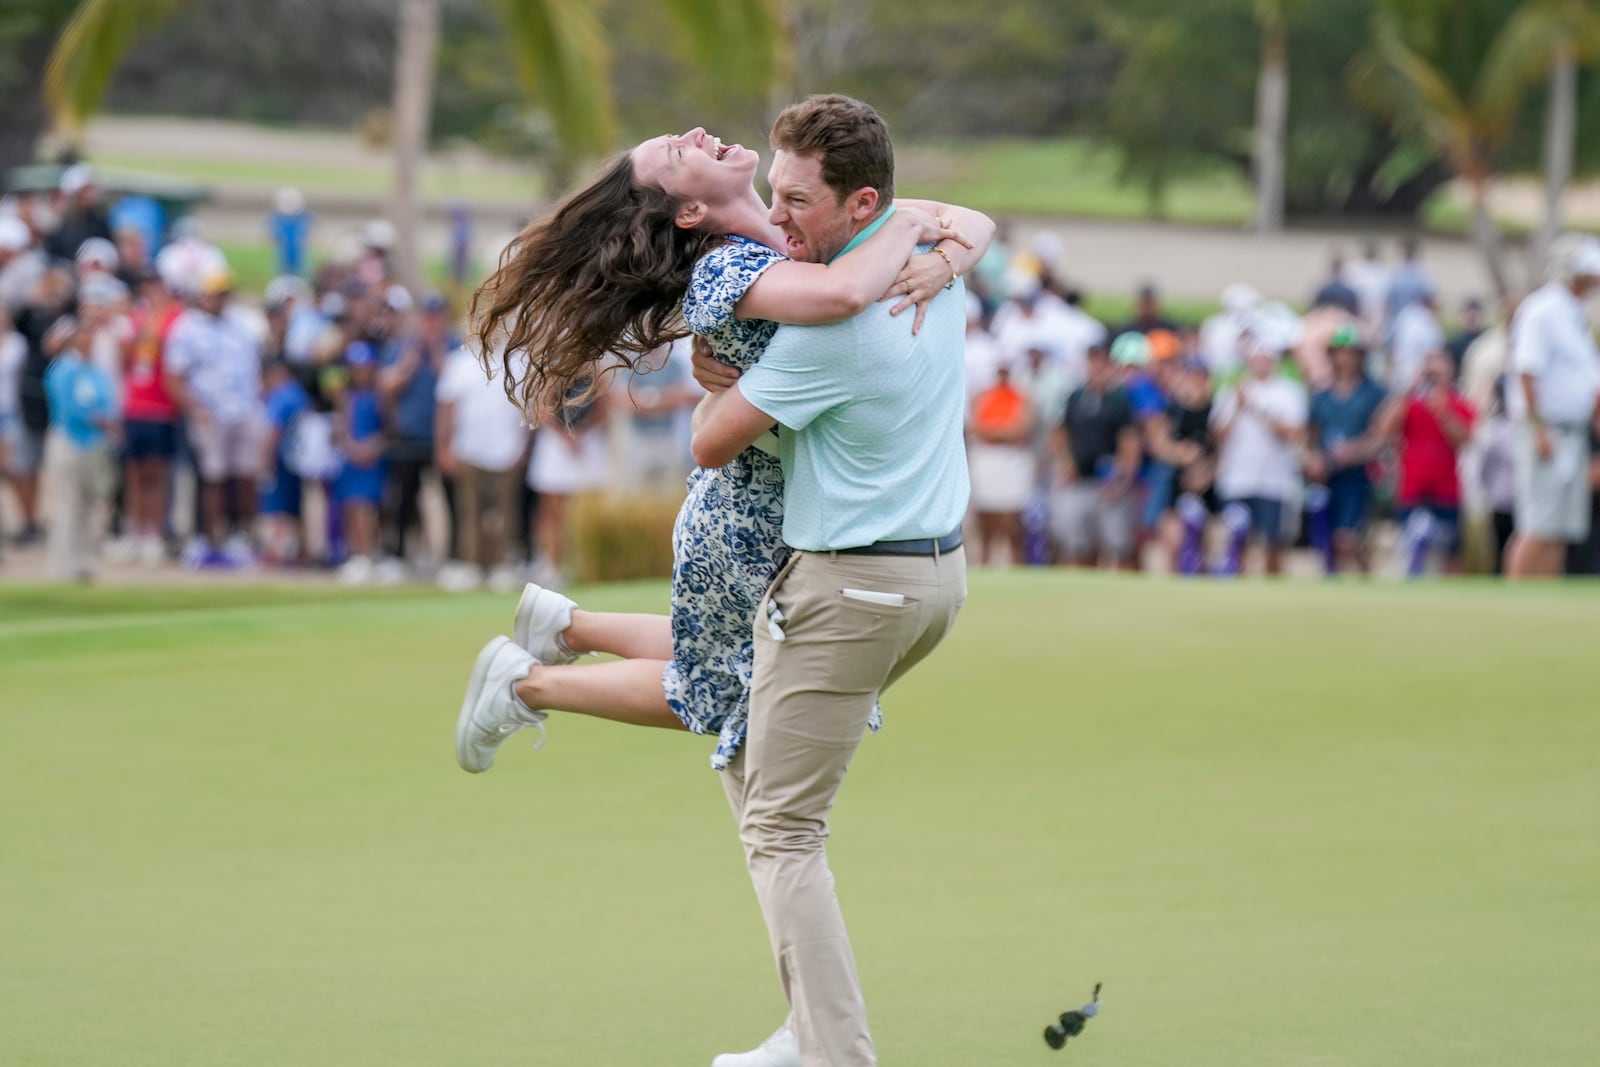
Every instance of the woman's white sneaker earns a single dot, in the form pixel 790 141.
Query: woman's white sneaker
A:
pixel 542 616
pixel 491 712
pixel 779 1050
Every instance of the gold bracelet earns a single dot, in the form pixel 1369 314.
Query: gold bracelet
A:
pixel 954 274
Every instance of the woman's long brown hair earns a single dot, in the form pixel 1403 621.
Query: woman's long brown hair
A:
pixel 604 274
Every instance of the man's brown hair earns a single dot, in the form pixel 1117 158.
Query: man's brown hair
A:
pixel 849 137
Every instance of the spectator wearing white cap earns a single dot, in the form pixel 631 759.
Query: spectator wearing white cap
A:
pixel 1259 426
pixel 96 256
pixel 214 373
pixel 21 264
pixel 1219 334
pixel 81 215
pixel 1554 380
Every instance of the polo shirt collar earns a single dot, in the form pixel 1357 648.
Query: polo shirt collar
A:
pixel 875 226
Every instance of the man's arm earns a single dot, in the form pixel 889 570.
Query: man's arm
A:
pixel 725 424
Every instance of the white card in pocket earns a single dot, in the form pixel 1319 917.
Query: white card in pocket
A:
pixel 872 596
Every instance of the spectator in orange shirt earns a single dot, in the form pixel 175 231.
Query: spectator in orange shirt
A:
pixel 1002 465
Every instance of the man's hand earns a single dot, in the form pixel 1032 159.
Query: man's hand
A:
pixel 713 375
pixel 445 460
pixel 1542 443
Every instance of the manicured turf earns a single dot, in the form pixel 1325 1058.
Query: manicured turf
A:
pixel 1291 825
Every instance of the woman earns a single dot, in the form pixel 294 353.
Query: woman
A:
pixel 674 233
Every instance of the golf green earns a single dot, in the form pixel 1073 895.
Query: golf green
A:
pixel 1294 824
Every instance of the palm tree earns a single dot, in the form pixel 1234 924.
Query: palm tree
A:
pixel 1426 70
pixel 1549 39
pixel 559 48
pixel 1272 112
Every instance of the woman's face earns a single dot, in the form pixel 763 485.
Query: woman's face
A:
pixel 695 166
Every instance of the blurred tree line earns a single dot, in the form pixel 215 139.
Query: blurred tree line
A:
pixel 1173 86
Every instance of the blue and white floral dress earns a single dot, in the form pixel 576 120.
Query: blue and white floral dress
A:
pixel 727 544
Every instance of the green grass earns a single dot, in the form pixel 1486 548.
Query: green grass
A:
pixel 374 179
pixel 1286 825
pixel 1062 176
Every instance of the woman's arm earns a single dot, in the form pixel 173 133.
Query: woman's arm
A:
pixel 977 227
pixel 805 294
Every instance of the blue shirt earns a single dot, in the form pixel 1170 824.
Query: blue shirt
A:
pixel 414 407
pixel 876 451
pixel 1344 418
pixel 81 396
pixel 365 420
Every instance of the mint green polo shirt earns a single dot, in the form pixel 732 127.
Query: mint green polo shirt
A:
pixel 872 448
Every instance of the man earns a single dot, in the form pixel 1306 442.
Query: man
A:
pixel 1415 332
pixel 480 444
pixel 1097 451
pixel 82 215
pixel 1341 446
pixel 1430 424
pixel 875 491
pixel 1259 425
pixel 1471 328
pixel 1147 313
pixel 1551 390
pixel 77 453
pixel 213 374
pixel 1408 284
pixel 1335 291
pixel 412 366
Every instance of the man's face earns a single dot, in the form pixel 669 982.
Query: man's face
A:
pixel 816 222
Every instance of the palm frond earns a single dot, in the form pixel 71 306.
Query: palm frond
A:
pixel 563 61
pixel 87 53
pixel 742 44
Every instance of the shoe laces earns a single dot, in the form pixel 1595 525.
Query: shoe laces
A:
pixel 524 718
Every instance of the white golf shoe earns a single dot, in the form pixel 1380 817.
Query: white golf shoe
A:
pixel 491 712
pixel 779 1050
pixel 542 616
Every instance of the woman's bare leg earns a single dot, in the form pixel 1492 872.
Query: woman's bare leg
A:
pixel 620 634
pixel 627 691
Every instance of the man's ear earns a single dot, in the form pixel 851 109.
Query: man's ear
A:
pixel 863 204
pixel 690 215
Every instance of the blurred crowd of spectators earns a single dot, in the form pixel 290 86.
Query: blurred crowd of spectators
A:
pixel 1147 443
pixel 336 419
pixel 158 415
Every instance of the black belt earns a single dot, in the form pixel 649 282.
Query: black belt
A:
pixel 921 546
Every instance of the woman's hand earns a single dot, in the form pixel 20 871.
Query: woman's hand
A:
pixel 922 278
pixel 931 229
pixel 713 375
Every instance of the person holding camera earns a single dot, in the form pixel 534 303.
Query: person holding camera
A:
pixel 1430 424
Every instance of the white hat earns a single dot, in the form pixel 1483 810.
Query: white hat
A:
pixel 289 201
pixel 97 252
pixel 1239 297
pixel 1021 284
pixel 398 298
pixel 14 234
pixel 1275 325
pixel 1047 248
pixel 1576 255
pixel 282 289
pixel 379 233
pixel 77 178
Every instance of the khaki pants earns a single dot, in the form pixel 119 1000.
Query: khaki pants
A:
pixel 78 485
pixel 486 513
pixel 820 663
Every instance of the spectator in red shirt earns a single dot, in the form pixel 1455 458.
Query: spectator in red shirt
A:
pixel 151 417
pixel 1430 424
